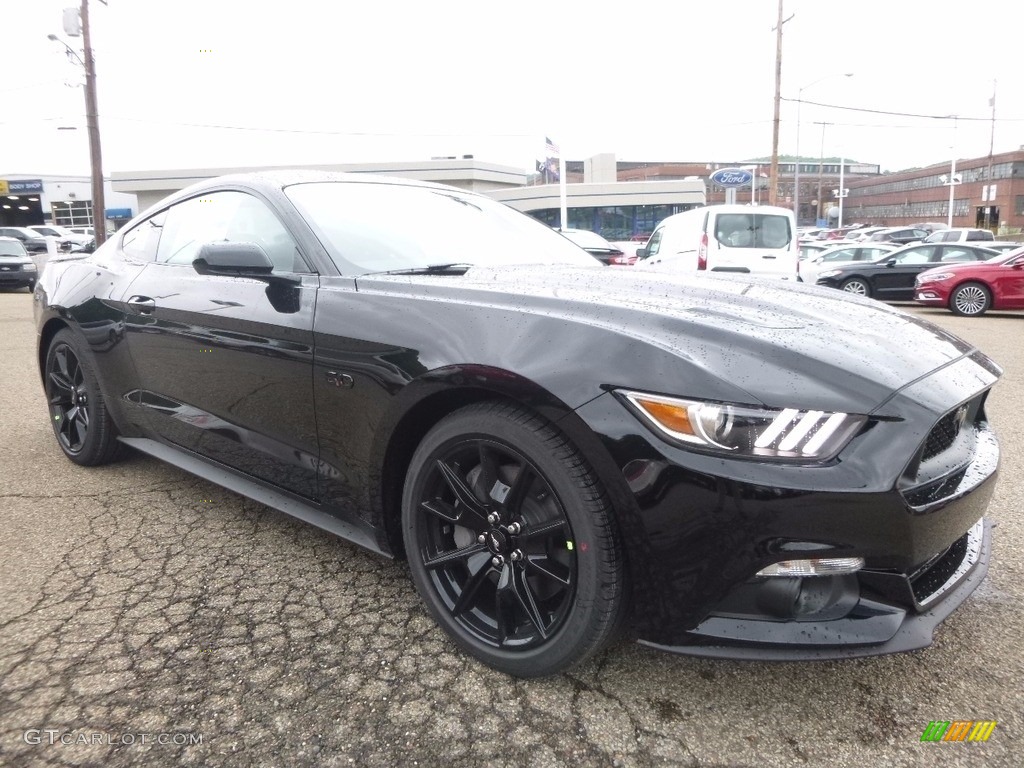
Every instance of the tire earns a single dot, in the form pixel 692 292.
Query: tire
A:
pixel 531 584
pixel 31 286
pixel 78 415
pixel 970 300
pixel 857 286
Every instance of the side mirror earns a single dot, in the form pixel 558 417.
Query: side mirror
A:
pixel 233 260
pixel 238 260
pixel 641 253
pixel 890 262
pixel 1018 264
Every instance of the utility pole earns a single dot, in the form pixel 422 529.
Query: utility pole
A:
pixel 990 197
pixel 99 216
pixel 773 173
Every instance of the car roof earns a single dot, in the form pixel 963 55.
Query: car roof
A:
pixel 279 179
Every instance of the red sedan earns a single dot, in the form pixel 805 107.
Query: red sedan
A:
pixel 973 288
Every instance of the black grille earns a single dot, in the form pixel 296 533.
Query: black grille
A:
pixel 10 267
pixel 931 492
pixel 926 582
pixel 943 434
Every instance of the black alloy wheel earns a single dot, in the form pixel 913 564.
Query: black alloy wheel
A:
pixel 510 541
pixel 970 300
pixel 78 415
pixel 857 286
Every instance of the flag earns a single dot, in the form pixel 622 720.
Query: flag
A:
pixel 549 165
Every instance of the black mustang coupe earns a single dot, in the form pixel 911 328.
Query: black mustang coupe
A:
pixel 713 463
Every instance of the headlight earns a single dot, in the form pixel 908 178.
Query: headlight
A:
pixel 741 430
pixel 830 273
pixel 30 267
pixel 934 278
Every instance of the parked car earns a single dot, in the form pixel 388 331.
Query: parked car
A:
pixel 62 234
pixel 557 448
pixel 598 247
pixel 863 233
pixel 959 235
pixel 17 269
pixel 725 238
pixel 808 250
pixel 1003 246
pixel 841 255
pixel 891 278
pixel 32 240
pixel 900 235
pixel 973 289
pixel 931 226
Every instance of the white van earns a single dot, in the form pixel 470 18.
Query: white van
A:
pixel 757 240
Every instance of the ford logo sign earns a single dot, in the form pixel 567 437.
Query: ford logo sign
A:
pixel 731 177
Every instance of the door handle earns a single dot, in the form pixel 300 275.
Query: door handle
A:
pixel 142 304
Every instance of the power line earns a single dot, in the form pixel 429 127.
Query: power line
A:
pixel 316 132
pixel 909 114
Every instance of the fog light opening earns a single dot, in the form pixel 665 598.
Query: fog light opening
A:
pixel 825 566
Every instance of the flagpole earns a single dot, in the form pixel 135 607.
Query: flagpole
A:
pixel 561 190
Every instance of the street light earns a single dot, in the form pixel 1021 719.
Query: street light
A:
pixel 799 100
pixel 99 223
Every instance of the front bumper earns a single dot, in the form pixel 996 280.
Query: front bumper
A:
pixel 859 633
pixel 699 528
pixel 930 297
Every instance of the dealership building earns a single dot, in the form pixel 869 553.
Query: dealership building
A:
pixel 624 199
pixel 27 199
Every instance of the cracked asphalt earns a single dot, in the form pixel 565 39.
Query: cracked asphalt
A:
pixel 150 618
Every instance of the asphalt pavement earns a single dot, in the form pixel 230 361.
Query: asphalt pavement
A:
pixel 150 618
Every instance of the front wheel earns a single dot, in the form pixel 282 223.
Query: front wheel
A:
pixel 511 541
pixel 970 300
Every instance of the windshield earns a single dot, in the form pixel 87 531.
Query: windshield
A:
pixel 11 248
pixel 378 227
pixel 1005 257
pixel 587 239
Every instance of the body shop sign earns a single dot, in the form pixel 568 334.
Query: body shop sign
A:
pixel 731 177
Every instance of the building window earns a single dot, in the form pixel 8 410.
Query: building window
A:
pixel 76 213
pixel 613 222
pixel 1020 205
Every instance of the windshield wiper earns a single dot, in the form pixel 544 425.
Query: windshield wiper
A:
pixel 455 268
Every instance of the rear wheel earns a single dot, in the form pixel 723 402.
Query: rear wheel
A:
pixel 857 286
pixel 78 415
pixel 511 541
pixel 970 300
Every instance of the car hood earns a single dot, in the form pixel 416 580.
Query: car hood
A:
pixel 748 339
pixel 970 266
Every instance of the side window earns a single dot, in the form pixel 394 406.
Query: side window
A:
pixel 918 255
pixel 847 254
pixel 227 217
pixel 140 242
pixel 953 253
pixel 948 237
pixel 654 244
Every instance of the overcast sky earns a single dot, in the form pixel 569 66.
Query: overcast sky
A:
pixel 220 83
